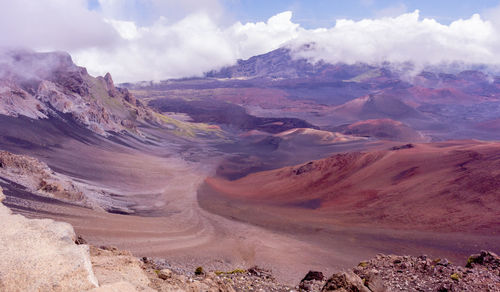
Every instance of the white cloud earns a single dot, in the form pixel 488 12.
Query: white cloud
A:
pixel 146 12
pixel 52 24
pixel 189 38
pixel 404 38
pixel 191 46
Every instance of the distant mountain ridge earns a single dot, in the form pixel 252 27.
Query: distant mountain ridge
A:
pixel 281 64
pixel 285 62
pixel 442 102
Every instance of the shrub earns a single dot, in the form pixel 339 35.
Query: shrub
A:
pixel 199 271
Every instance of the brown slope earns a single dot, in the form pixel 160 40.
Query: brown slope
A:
pixel 386 129
pixel 376 106
pixel 452 186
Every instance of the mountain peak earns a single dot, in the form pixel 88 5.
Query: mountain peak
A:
pixel 39 85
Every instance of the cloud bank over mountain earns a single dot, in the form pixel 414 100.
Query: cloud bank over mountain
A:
pixel 155 41
pixel 404 38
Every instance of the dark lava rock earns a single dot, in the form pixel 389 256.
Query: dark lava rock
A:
pixel 259 272
pixel 406 146
pixel 485 258
pixel 304 168
pixel 313 281
pixel 386 273
pixel 314 276
pixel 80 240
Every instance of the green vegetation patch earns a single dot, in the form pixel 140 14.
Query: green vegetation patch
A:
pixel 191 130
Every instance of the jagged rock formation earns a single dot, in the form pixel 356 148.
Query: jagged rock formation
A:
pixel 40 255
pixel 43 85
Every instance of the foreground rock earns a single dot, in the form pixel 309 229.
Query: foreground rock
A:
pixel 114 268
pixel 174 279
pixel 406 273
pixel 40 255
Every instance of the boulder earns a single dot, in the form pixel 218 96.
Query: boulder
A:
pixel 165 274
pixel 345 282
pixel 314 276
pixel 41 255
pixel 485 258
pixel 375 283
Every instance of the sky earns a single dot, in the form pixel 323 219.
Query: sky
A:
pixel 320 13
pixel 138 40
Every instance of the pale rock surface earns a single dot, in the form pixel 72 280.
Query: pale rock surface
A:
pixel 115 287
pixel 38 178
pixel 112 266
pixel 40 255
pixel 14 101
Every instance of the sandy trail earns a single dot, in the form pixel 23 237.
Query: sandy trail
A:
pixel 170 223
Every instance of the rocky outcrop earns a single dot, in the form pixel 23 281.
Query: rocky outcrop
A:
pixel 40 255
pixel 485 258
pixel 345 282
pixel 42 85
pixel 15 101
pixel 39 179
pixel 424 274
pixel 113 266
pixel 407 273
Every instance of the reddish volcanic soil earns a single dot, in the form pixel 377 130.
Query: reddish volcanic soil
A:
pixel 442 186
pixel 441 199
pixel 384 129
pixel 442 95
